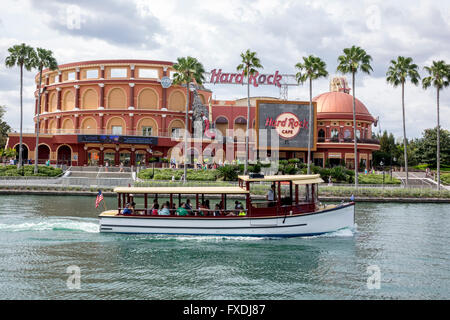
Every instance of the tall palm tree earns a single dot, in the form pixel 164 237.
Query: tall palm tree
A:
pixel 353 60
pixel 43 59
pixel 397 74
pixel 312 68
pixel 20 55
pixel 188 69
pixel 249 65
pixel 439 77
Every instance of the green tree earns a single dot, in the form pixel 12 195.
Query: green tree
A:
pixel 439 77
pixel 249 65
pixel 188 69
pixel 428 144
pixel 43 59
pixel 21 56
pixel 397 74
pixel 353 60
pixel 311 69
pixel 4 128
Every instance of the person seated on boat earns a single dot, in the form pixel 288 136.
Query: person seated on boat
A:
pixel 231 213
pixel 165 210
pixel 155 202
pixel 271 196
pixel 203 209
pixel 128 209
pixel 155 209
pixel 207 204
pixel 238 205
pixel 216 212
pixel 181 211
pixel 242 213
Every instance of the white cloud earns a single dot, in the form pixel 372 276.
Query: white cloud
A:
pixel 217 32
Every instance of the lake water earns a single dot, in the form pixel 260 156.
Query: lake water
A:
pixel 404 246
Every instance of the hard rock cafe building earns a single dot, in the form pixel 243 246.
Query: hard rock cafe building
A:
pixel 116 111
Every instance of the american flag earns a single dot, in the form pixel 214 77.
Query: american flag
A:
pixel 99 198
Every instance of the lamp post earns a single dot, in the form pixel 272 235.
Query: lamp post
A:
pixel 382 165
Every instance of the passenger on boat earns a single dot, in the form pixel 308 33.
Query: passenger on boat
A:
pixel 181 211
pixel 238 205
pixel 155 202
pixel 271 196
pixel 188 205
pixel 155 209
pixel 165 210
pixel 128 209
pixel 203 209
pixel 216 212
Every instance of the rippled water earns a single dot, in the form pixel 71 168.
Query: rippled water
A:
pixel 41 236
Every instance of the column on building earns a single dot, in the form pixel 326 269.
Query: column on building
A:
pixel 77 97
pixel 46 101
pixel 102 72
pixel 58 99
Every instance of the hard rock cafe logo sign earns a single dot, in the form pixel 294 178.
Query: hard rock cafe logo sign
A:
pixel 216 76
pixel 287 124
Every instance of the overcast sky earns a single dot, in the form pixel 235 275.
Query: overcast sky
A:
pixel 216 32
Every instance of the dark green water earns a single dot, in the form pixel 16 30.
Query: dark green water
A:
pixel 41 236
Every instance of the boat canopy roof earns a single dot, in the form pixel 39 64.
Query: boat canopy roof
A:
pixel 181 190
pixel 309 181
pixel 297 178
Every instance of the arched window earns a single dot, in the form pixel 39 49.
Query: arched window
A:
pixel 334 133
pixel 117 99
pixel 347 134
pixel 177 101
pixel 321 133
pixel 148 99
pixel 90 99
pixel 52 103
pixel 68 101
pixel 222 125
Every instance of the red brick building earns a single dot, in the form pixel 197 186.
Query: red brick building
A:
pixel 119 111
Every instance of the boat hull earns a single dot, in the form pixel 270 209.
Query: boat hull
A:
pixel 315 223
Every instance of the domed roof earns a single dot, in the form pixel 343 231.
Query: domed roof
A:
pixel 339 105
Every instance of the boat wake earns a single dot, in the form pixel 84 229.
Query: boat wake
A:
pixel 52 224
pixel 345 232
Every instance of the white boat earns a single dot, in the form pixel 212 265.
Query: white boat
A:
pixel 297 213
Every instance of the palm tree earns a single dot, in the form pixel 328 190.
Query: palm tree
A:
pixel 249 66
pixel 354 59
pixel 21 56
pixel 439 77
pixel 312 68
pixel 187 70
pixel 397 74
pixel 43 59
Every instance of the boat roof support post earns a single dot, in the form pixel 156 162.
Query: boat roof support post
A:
pixel 118 203
pixel 279 193
pixel 225 202
pixel 290 191
pixel 296 194
pixel 146 201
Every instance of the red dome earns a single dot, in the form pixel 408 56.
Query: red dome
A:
pixel 339 105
